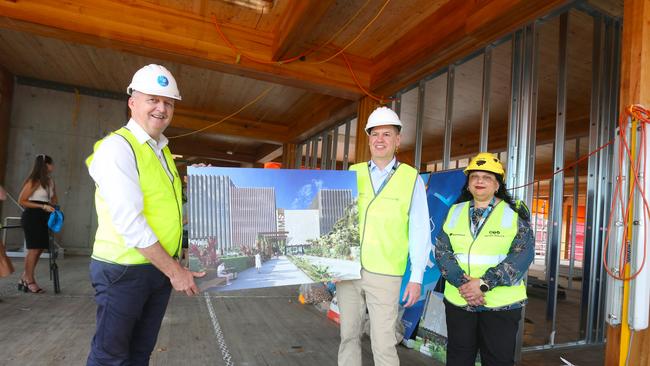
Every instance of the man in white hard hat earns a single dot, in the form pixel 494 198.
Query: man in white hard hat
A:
pixel 138 199
pixel 393 226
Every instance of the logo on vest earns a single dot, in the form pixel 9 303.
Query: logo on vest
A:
pixel 494 233
pixel 389 198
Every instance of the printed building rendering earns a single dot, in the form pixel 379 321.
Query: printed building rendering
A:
pixel 286 218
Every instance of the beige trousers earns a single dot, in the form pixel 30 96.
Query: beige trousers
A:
pixel 380 294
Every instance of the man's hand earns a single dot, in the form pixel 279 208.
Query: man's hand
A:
pixel 180 277
pixel 471 292
pixel 3 194
pixel 182 280
pixel 411 293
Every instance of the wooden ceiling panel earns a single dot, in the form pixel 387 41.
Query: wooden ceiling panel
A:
pixel 294 30
pixel 207 94
pixel 100 44
pixel 393 22
pixel 177 37
pixel 236 14
pixel 226 93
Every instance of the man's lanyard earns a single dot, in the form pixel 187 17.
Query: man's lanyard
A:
pixel 390 174
pixel 486 213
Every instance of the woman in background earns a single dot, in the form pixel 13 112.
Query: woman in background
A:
pixel 38 197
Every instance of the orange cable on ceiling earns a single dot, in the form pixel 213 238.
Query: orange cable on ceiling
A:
pixel 355 38
pixel 379 99
pixel 262 95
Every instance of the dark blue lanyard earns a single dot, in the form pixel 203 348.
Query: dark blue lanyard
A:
pixel 390 174
pixel 486 213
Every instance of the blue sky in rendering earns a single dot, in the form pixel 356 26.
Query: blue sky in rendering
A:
pixel 294 189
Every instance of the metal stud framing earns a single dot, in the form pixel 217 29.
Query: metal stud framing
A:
pixel 325 151
pixel 574 215
pixel 346 145
pixel 522 128
pixel 446 149
pixel 557 190
pixel 418 124
pixel 328 142
pixel 485 98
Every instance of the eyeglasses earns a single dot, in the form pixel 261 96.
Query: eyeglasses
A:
pixel 485 178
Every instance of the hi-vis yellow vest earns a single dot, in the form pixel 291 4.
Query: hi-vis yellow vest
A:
pixel 476 256
pixel 384 219
pixel 162 206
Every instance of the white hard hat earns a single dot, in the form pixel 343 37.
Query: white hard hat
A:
pixel 383 116
pixel 154 80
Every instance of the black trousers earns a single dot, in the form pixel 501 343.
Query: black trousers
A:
pixel 493 333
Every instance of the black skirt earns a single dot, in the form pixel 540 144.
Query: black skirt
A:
pixel 34 222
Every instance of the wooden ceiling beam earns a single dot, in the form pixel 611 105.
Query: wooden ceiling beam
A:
pixel 452 32
pixel 268 151
pixel 182 164
pixel 296 26
pixel 235 126
pixel 154 31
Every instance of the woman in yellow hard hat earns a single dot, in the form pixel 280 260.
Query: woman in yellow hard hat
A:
pixel 483 251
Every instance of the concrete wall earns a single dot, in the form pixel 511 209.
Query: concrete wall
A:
pixel 64 126
pixel 6 94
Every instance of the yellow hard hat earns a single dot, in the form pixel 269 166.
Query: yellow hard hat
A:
pixel 487 162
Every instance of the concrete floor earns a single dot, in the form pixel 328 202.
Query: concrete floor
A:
pixel 248 327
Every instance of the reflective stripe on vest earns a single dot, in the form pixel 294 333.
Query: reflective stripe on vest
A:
pixel 383 219
pixel 490 260
pixel 162 206
pixel 476 256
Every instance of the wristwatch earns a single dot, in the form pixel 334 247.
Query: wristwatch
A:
pixel 483 286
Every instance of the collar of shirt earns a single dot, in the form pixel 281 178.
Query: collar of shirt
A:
pixel 379 176
pixel 374 168
pixel 142 136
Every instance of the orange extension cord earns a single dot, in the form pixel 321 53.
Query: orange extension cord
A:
pixel 634 114
pixel 640 115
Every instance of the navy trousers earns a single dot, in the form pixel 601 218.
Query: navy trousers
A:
pixel 131 302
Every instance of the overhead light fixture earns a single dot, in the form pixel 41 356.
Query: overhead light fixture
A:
pixel 176 156
pixel 229 152
pixel 258 5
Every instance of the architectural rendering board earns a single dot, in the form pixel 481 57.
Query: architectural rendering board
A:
pixel 253 228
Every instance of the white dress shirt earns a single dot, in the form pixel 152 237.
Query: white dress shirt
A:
pixel 419 227
pixel 115 173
